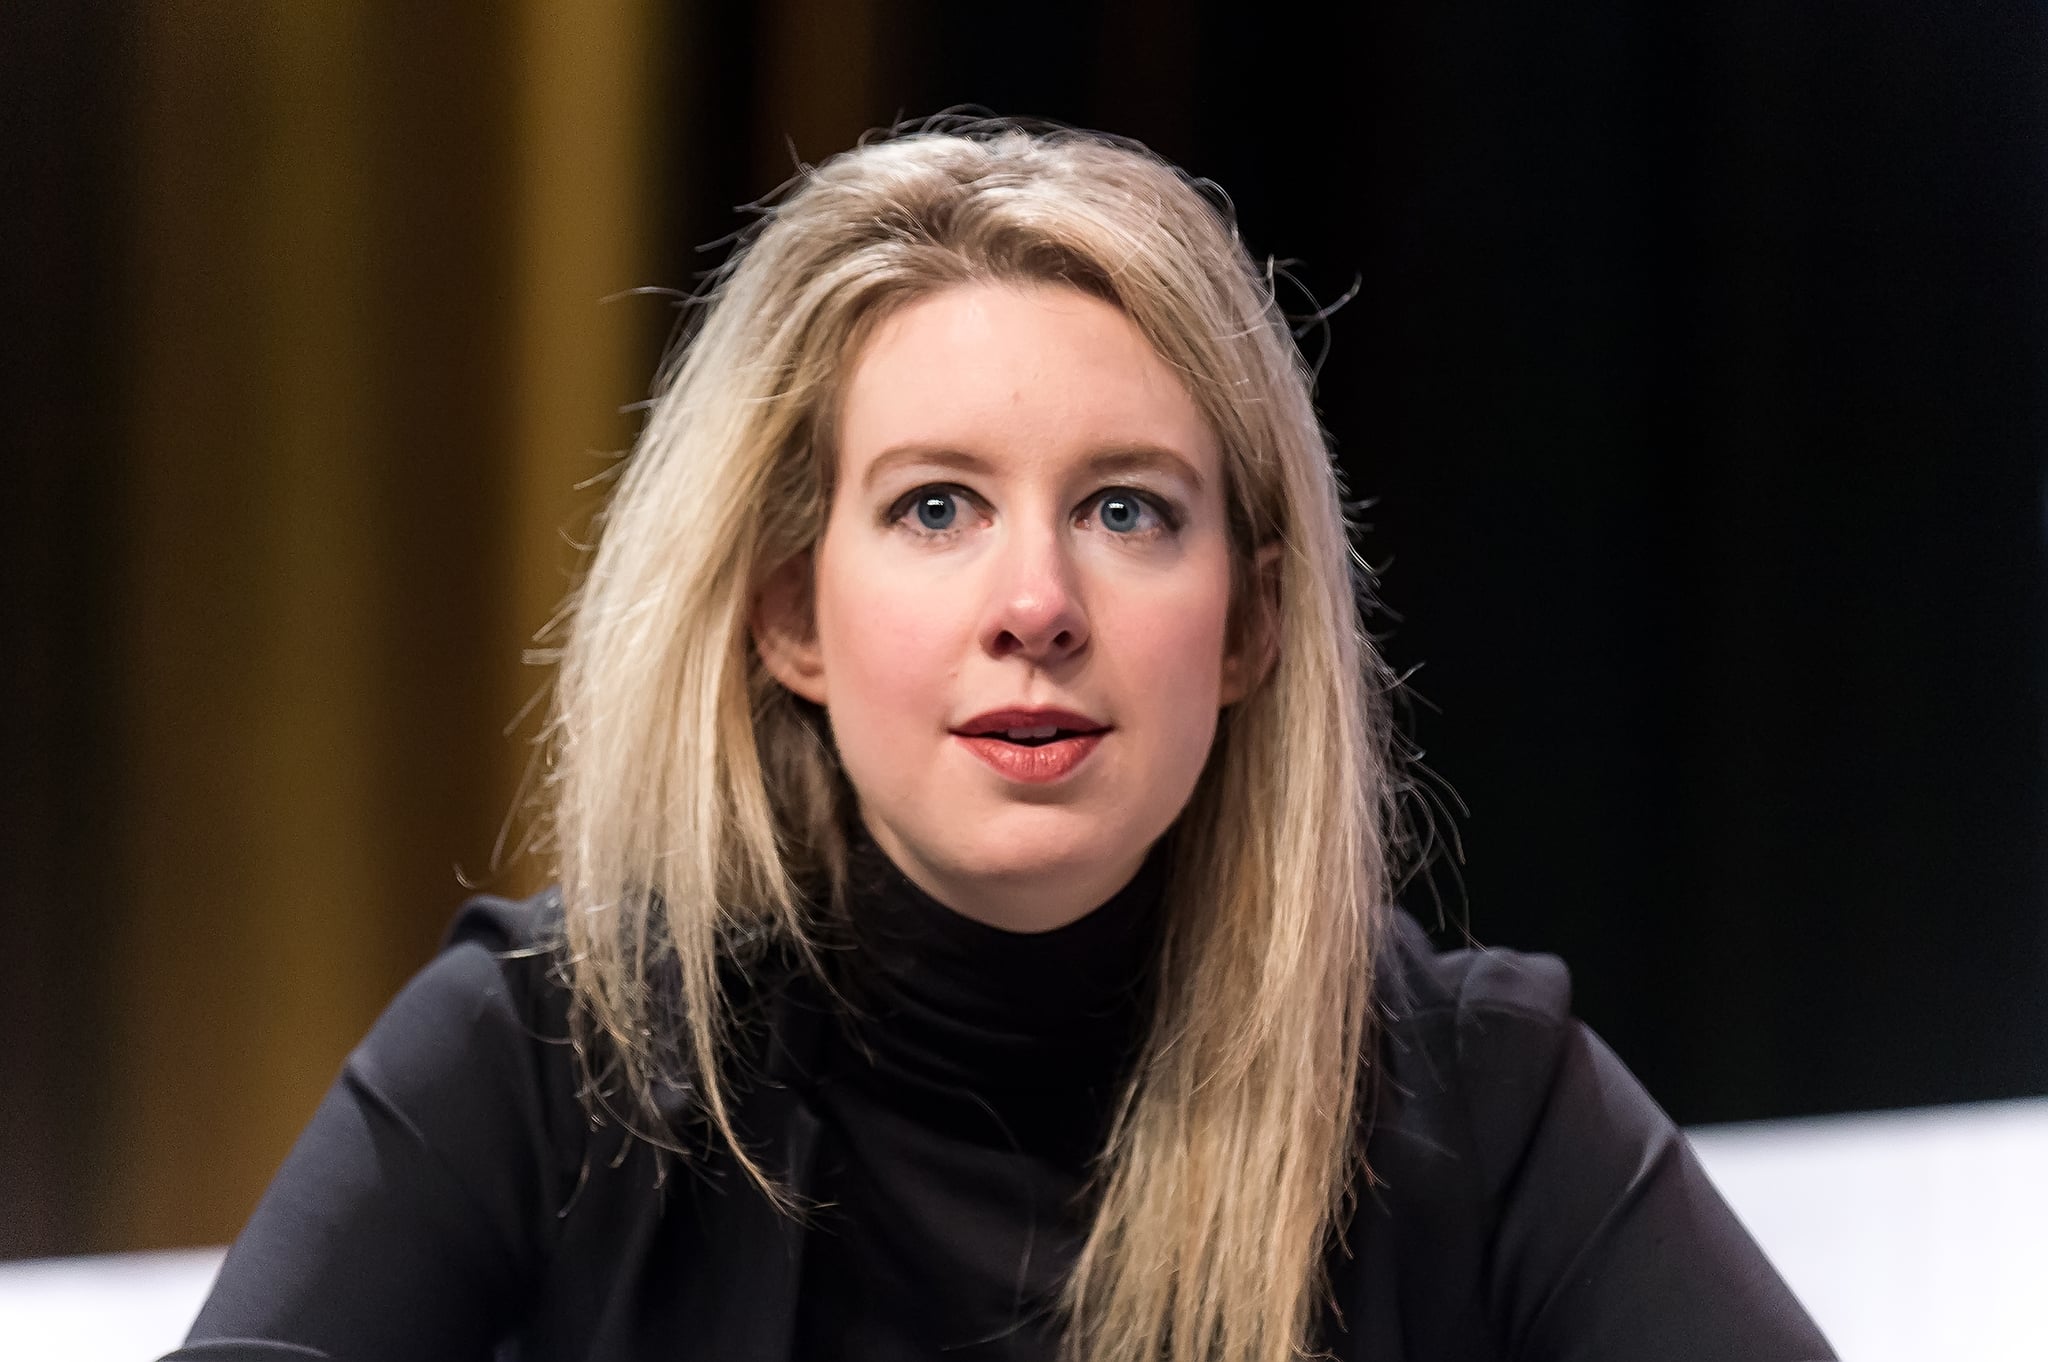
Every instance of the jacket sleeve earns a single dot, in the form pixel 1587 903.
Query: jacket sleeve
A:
pixel 401 1225
pixel 1610 1243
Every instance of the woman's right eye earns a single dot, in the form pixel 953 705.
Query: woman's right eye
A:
pixel 932 511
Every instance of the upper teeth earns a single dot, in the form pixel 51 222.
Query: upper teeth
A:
pixel 1045 732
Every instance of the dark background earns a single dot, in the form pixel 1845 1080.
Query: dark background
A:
pixel 1695 370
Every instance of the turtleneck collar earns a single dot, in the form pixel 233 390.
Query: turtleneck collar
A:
pixel 957 1020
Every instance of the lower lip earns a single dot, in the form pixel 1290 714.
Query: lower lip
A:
pixel 1033 765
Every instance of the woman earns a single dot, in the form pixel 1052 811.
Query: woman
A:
pixel 969 787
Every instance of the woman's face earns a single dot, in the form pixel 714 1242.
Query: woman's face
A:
pixel 1028 514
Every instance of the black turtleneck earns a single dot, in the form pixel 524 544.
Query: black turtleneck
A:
pixel 963 1096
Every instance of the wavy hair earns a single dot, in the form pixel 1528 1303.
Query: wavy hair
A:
pixel 692 807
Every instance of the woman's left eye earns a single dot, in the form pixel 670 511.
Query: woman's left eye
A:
pixel 1124 512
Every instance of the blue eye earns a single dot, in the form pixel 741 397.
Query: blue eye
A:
pixel 937 510
pixel 1123 512
pixel 937 507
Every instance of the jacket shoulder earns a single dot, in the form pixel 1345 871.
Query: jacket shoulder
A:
pixel 1421 979
pixel 1527 1195
pixel 528 925
pixel 1470 1043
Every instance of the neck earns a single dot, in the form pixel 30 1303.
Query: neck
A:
pixel 963 1021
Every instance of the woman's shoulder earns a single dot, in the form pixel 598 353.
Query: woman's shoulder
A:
pixel 494 980
pixel 528 926
pixel 483 1025
pixel 503 964
pixel 1471 1042
pixel 1421 980
pixel 1553 1199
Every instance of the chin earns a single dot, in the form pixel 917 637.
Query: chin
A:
pixel 1016 848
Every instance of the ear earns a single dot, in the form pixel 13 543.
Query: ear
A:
pixel 784 625
pixel 1257 643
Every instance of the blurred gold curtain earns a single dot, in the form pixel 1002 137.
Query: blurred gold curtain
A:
pixel 367 254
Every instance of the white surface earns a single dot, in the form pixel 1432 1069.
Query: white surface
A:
pixel 124 1307
pixel 1909 1235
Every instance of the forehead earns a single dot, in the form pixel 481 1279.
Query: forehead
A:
pixel 1009 376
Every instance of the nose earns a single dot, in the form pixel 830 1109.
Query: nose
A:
pixel 1035 606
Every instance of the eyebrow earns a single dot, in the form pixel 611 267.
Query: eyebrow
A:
pixel 1119 459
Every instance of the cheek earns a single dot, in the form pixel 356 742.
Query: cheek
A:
pixel 1169 648
pixel 1184 652
pixel 890 646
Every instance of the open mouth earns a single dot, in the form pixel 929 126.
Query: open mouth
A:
pixel 1032 746
pixel 1034 756
pixel 1035 742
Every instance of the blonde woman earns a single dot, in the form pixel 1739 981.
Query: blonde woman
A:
pixel 969 788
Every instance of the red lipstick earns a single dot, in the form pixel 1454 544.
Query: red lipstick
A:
pixel 1031 745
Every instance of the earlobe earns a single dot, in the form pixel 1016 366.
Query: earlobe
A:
pixel 785 629
pixel 1257 646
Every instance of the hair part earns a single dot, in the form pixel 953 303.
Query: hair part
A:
pixel 695 811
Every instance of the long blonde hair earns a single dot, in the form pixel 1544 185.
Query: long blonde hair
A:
pixel 691 803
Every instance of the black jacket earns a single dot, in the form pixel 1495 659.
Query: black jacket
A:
pixel 450 1202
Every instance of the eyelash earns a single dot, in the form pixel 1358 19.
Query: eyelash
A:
pixel 1169 517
